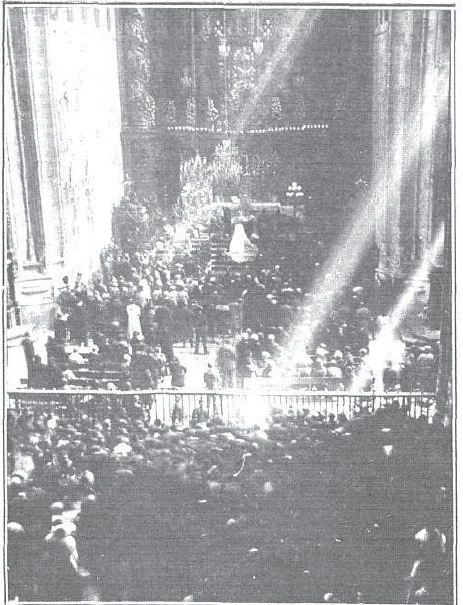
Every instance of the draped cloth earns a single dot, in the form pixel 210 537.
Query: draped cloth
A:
pixel 241 249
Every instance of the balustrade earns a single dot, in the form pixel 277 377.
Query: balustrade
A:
pixel 232 406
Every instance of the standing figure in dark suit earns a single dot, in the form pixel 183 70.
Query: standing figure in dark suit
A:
pixel 29 353
pixel 200 325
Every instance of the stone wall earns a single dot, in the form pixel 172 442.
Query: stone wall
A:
pixel 64 168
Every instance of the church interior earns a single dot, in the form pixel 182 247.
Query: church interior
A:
pixel 229 303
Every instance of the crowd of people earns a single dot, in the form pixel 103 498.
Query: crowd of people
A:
pixel 143 302
pixel 107 502
pixel 105 505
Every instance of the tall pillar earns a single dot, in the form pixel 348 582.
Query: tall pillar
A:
pixel 23 115
pixel 380 123
pixel 140 110
pixel 45 132
pixel 151 157
pixel 411 53
pixel 63 170
pixel 15 181
pixel 138 107
pixel 399 77
pixel 441 184
pixel 427 127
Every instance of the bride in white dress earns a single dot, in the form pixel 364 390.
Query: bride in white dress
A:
pixel 241 250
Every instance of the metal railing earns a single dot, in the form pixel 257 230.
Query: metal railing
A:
pixel 232 406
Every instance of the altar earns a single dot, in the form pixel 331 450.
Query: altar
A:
pixel 246 205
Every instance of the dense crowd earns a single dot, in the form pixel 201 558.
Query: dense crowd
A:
pixel 106 502
pixel 142 303
pixel 107 505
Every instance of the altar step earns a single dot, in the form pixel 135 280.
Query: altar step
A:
pixel 200 247
pixel 220 260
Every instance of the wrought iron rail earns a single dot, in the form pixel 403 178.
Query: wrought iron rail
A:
pixel 232 405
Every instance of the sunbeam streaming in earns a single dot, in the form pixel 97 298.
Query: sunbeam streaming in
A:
pixel 228 300
pixel 384 344
pixel 337 273
pixel 297 32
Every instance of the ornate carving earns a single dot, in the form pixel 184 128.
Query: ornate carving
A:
pixel 191 111
pixel 140 101
pixel 276 109
pixel 243 75
pixel 171 113
pixel 212 113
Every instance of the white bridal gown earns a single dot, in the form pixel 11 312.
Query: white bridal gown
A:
pixel 241 249
pixel 133 324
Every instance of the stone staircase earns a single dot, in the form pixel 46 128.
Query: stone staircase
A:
pixel 200 246
pixel 220 244
pixel 214 248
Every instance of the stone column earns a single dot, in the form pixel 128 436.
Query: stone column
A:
pixel 44 125
pixel 381 44
pixel 411 52
pixel 151 156
pixel 23 115
pixel 400 53
pixel 439 303
pixel 139 108
pixel 427 131
pixel 15 183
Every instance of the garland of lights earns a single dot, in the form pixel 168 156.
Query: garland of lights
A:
pixel 269 130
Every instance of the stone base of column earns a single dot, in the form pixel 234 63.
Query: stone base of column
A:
pixel 436 287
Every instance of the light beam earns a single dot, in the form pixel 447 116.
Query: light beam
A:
pixel 344 259
pixel 300 26
pixel 385 341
